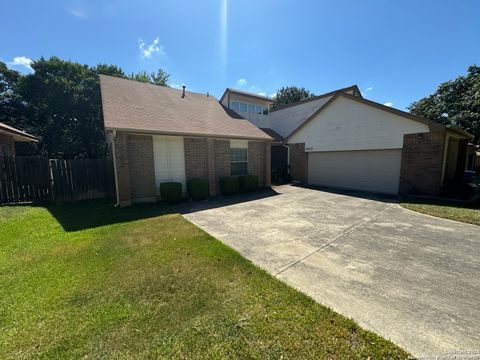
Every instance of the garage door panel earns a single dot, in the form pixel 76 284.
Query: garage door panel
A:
pixel 371 170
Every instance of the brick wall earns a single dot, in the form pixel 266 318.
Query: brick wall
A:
pixel 298 162
pixel 7 141
pixel 142 170
pixel 422 161
pixel 204 159
pixel 222 161
pixel 196 166
pixel 122 169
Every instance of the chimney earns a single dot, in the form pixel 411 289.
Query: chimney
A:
pixel 183 92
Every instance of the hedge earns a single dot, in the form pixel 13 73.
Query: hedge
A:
pixel 171 191
pixel 229 185
pixel 248 183
pixel 198 189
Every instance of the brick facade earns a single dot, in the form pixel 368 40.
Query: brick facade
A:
pixel 205 158
pixel 298 162
pixel 422 163
pixel 259 161
pixel 142 170
pixel 7 141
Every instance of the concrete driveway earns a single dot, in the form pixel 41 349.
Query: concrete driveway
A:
pixel 412 278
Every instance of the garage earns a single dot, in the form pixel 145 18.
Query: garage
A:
pixel 375 171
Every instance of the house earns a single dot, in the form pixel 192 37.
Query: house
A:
pixel 341 140
pixel 9 135
pixel 159 134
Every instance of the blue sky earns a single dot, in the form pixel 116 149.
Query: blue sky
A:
pixel 395 51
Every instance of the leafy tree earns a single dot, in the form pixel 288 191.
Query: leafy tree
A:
pixel 159 78
pixel 456 102
pixel 290 94
pixel 10 102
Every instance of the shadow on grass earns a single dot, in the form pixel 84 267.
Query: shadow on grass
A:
pixel 94 213
pixel 458 204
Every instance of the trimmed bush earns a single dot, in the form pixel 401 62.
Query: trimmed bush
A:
pixel 198 189
pixel 229 185
pixel 171 191
pixel 248 183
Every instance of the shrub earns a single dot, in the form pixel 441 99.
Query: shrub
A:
pixel 171 191
pixel 248 183
pixel 229 185
pixel 198 189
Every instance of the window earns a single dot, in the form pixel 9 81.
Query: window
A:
pixel 251 108
pixel 243 107
pixel 238 157
pixel 258 109
pixel 234 106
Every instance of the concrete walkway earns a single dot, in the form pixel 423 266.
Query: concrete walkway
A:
pixel 412 278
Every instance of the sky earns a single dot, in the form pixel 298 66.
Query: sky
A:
pixel 395 51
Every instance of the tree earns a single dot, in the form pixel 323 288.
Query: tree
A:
pixel 10 102
pixel 290 94
pixel 455 102
pixel 159 78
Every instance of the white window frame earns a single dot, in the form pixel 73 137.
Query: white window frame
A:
pixel 239 144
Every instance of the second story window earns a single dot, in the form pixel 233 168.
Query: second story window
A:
pixel 235 106
pixel 259 109
pixel 251 108
pixel 243 107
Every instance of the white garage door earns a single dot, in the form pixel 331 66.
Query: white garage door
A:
pixel 169 159
pixel 368 170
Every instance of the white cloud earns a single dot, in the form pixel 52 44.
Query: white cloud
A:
pixel 273 95
pixel 22 61
pixel 241 82
pixel 370 88
pixel 77 12
pixel 147 50
pixel 389 104
pixel 262 94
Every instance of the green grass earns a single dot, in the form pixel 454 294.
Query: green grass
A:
pixel 454 211
pixel 90 281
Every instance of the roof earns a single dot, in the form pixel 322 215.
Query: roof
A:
pixel 18 135
pixel 276 136
pixel 353 88
pixel 138 107
pixel 245 93
pixel 405 114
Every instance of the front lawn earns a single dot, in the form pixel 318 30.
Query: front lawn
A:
pixel 90 281
pixel 466 213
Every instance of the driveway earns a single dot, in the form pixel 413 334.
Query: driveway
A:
pixel 412 278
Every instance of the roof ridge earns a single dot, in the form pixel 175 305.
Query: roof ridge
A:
pixel 316 97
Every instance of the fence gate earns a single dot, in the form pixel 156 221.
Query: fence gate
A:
pixel 33 178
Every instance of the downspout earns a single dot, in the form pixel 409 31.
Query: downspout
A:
pixel 117 204
pixel 288 157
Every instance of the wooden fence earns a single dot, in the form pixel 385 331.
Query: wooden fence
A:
pixel 33 178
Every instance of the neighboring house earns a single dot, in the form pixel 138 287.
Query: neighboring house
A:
pixel 158 134
pixel 9 135
pixel 342 140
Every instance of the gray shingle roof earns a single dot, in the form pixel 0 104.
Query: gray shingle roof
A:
pixel 135 106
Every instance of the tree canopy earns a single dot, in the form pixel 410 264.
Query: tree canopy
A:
pixel 290 94
pixel 60 102
pixel 455 102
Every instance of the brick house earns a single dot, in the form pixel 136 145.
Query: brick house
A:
pixel 341 140
pixel 9 135
pixel 158 134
